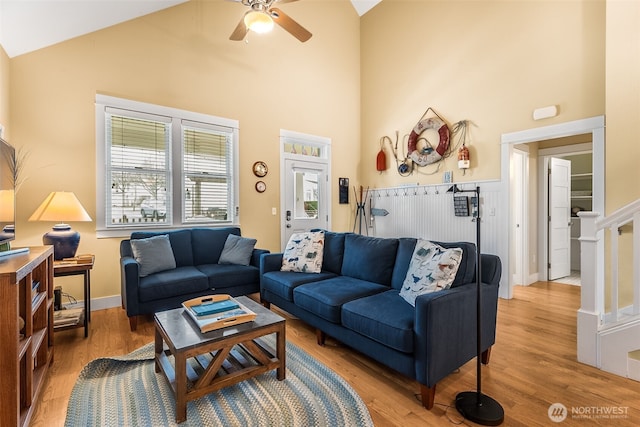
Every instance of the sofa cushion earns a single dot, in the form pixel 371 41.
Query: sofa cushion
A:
pixel 333 252
pixel 229 275
pixel 325 298
pixel 384 317
pixel 432 268
pixel 304 252
pixel 172 283
pixel 180 244
pixel 369 258
pixel 237 250
pixel 282 283
pixel 406 245
pixel 209 242
pixel 153 254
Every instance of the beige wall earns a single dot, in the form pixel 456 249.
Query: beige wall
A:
pixel 622 102
pixel 491 62
pixel 181 57
pixel 622 132
pixel 4 91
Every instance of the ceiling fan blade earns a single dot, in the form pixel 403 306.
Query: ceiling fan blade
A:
pixel 240 32
pixel 291 26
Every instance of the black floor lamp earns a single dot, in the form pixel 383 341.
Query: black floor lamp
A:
pixel 474 405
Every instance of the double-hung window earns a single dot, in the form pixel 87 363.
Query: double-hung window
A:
pixel 160 167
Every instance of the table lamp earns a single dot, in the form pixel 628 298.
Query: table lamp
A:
pixel 61 206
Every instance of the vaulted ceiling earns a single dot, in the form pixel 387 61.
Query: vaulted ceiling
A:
pixel 26 26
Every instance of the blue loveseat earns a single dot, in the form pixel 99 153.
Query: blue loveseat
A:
pixel 197 272
pixel 355 299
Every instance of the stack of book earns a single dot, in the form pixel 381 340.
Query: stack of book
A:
pixel 34 290
pixel 68 317
pixel 217 311
pixel 78 259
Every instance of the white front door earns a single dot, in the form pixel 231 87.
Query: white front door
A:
pixel 559 218
pixel 306 203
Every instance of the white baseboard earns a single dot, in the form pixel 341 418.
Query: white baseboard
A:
pixel 633 366
pixel 98 303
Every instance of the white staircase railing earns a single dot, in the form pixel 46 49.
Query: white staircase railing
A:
pixel 596 323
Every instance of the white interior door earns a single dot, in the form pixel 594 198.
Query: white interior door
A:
pixel 306 204
pixel 559 218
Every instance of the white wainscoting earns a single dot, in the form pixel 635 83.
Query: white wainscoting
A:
pixel 427 211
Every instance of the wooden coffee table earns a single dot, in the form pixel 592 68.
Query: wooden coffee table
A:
pixel 219 358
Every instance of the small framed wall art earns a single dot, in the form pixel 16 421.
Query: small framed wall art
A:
pixel 260 169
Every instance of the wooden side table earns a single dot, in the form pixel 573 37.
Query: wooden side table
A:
pixel 64 268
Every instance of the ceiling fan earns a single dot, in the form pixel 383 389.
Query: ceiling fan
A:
pixel 260 19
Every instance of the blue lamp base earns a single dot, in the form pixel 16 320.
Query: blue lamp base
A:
pixel 64 240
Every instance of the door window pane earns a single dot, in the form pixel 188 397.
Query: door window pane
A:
pixel 306 194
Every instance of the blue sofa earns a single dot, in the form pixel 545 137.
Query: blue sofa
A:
pixel 197 273
pixel 355 299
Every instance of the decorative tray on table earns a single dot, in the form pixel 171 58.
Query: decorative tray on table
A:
pixel 217 311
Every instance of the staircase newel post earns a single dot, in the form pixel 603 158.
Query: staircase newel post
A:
pixel 591 292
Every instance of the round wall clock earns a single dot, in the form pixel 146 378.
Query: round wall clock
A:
pixel 260 169
pixel 261 186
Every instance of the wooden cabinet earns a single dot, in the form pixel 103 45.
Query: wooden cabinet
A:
pixel 26 292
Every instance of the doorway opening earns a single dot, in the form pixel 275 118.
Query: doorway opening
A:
pixel 542 143
pixel 580 159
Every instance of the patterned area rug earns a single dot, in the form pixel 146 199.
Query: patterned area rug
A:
pixel 126 391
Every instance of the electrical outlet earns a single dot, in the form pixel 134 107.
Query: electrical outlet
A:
pixel 274 211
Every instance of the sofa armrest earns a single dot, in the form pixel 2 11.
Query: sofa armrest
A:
pixel 490 269
pixel 129 283
pixel 445 329
pixel 270 262
pixel 255 256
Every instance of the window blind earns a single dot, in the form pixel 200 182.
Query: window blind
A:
pixel 207 166
pixel 138 169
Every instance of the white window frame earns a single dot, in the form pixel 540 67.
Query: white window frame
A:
pixel 177 116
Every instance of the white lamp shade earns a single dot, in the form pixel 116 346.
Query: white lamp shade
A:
pixel 7 206
pixel 60 206
pixel 258 21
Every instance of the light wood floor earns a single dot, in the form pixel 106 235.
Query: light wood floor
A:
pixel 533 365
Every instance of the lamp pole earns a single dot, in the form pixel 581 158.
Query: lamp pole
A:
pixel 474 405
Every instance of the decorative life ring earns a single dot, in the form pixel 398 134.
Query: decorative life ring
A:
pixel 428 156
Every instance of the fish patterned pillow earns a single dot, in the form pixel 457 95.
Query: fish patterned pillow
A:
pixel 304 252
pixel 432 268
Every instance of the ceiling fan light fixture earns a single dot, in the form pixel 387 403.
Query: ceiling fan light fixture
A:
pixel 258 21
